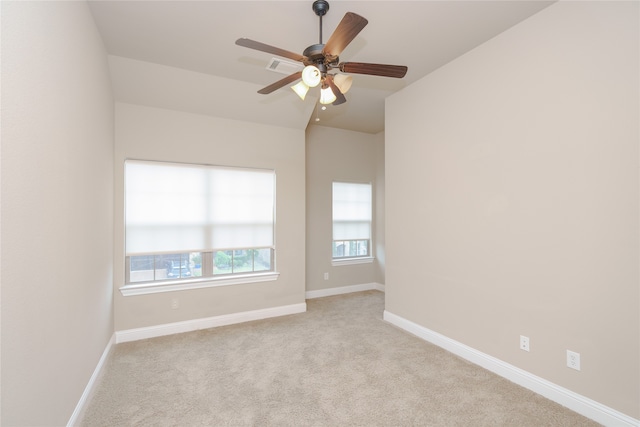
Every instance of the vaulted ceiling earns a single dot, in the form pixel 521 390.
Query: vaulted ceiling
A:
pixel 182 54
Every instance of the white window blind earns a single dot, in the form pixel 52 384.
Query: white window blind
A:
pixel 188 208
pixel 351 211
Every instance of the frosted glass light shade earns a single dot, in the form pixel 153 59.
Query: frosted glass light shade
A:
pixel 343 82
pixel 311 76
pixel 327 96
pixel 301 89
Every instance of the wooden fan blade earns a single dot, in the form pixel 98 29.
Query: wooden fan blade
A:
pixel 397 71
pixel 340 99
pixel 280 83
pixel 346 31
pixel 252 44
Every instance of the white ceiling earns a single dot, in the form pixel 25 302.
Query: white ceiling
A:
pixel 182 54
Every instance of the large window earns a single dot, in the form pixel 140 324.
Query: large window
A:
pixel 351 220
pixel 190 222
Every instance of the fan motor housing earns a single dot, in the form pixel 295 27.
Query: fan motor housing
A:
pixel 314 56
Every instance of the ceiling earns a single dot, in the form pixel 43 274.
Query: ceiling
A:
pixel 182 54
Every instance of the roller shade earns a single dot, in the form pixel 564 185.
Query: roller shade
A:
pixel 172 207
pixel 351 211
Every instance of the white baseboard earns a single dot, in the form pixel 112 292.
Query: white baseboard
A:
pixel 91 384
pixel 574 401
pixel 344 290
pixel 209 322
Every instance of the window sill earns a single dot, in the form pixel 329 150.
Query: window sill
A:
pixel 207 282
pixel 351 261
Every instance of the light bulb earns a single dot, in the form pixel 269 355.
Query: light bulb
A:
pixel 327 96
pixel 343 82
pixel 301 89
pixel 311 76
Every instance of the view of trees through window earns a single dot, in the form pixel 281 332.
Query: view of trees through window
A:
pixel 241 261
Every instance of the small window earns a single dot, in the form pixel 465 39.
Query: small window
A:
pixel 188 222
pixel 352 214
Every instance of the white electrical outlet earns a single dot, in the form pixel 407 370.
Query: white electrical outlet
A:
pixel 573 360
pixel 524 343
pixel 175 303
pixel 326 276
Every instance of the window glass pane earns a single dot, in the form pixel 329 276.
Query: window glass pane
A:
pixel 262 259
pixel 353 248
pixel 164 266
pixel 350 248
pixel 173 266
pixel 363 247
pixel 222 262
pixel 242 261
pixel 181 266
pixel 141 268
pixel 195 261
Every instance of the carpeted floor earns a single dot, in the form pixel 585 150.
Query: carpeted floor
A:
pixel 339 364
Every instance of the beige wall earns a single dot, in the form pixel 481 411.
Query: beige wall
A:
pixel 379 210
pixel 340 155
pixel 156 134
pixel 512 199
pixel 57 209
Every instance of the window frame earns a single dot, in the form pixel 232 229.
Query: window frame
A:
pixel 353 259
pixel 209 277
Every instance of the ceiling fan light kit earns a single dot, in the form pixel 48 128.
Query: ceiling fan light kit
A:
pixel 327 96
pixel 319 59
pixel 311 76
pixel 343 82
pixel 300 89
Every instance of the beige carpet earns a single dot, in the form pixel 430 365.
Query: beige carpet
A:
pixel 339 364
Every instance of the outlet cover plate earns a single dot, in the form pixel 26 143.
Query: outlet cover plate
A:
pixel 573 360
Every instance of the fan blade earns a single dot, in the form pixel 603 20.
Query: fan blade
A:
pixel 252 44
pixel 340 99
pixel 280 83
pixel 397 71
pixel 346 31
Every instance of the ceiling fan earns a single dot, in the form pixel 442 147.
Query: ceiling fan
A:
pixel 320 59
